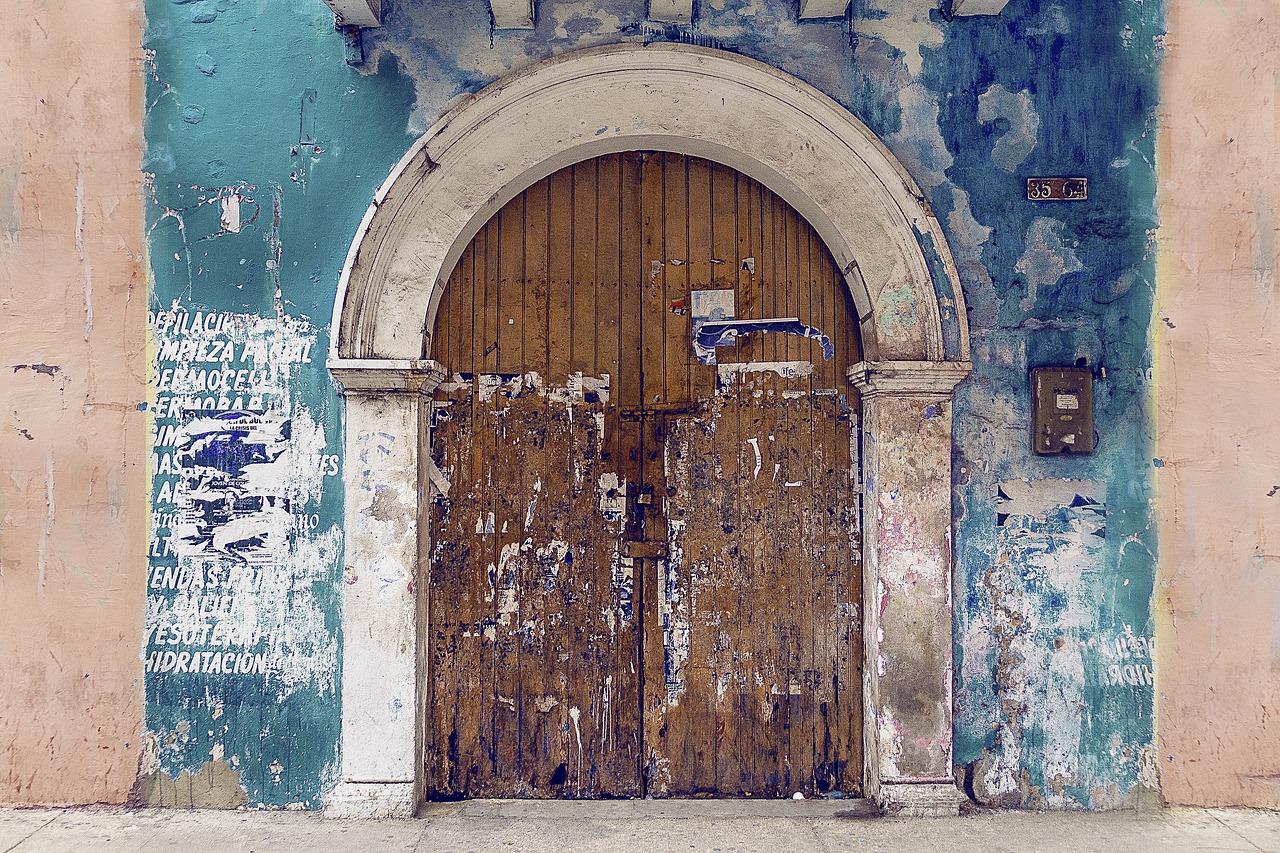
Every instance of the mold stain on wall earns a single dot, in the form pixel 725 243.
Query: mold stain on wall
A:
pixel 264 149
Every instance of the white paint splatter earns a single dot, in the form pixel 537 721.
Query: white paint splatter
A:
pixel 1016 144
pixel 46 534
pixel 1046 258
pixel 229 216
pixel 507 588
pixel 575 714
pixel 86 265
pixel 613 496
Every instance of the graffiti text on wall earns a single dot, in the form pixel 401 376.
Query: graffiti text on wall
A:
pixel 239 469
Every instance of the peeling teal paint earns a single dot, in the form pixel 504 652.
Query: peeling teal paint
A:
pixel 257 104
pixel 1070 281
pixel 896 311
pixel 263 149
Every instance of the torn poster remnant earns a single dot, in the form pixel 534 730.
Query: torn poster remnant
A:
pixel 724 333
pixel 709 306
pixel 231 498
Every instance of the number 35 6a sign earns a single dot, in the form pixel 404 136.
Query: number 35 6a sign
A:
pixel 1057 189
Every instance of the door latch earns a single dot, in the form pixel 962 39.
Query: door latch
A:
pixel 650 550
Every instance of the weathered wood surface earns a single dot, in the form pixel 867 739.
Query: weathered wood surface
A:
pixel 578 420
pixel 757 622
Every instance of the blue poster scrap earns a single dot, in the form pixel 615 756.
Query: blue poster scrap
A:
pixel 232 500
pixel 725 333
pixel 710 306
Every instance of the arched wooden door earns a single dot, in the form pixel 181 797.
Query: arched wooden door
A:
pixel 644 574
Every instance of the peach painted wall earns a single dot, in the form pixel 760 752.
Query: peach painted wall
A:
pixel 1218 380
pixel 73 520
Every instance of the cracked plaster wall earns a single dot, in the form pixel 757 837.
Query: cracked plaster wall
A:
pixel 72 374
pixel 1218 382
pixel 264 148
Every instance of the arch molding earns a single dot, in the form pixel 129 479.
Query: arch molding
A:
pixel 906 291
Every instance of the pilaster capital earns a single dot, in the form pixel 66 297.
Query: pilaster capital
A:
pixel 908 378
pixel 386 375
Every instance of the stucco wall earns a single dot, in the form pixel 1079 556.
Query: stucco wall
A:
pixel 1218 385
pixel 265 150
pixel 73 509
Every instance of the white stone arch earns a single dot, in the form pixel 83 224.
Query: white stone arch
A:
pixel 832 170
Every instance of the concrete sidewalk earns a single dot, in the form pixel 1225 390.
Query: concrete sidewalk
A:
pixel 649 826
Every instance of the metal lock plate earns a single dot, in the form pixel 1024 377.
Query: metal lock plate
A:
pixel 651 550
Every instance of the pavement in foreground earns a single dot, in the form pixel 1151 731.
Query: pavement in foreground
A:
pixel 649 826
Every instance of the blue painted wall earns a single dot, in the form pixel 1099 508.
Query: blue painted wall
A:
pixel 265 149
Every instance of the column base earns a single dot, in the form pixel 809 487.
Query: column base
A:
pixel 371 800
pixel 919 799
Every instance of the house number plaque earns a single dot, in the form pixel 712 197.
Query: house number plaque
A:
pixel 1057 189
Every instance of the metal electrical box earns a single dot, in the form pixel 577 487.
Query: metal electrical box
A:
pixel 1061 410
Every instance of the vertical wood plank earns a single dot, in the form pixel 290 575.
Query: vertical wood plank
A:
pixel 817 602
pixel 724 247
pixel 702 264
pixel 771 640
pixel 554 550
pixel 560 264
pixel 442 334
pixel 492 287
pixel 805 347
pixel 465 314
pixel 734 718
pixel 791 291
pixel 488 551
pixel 478 344
pixel 627 390
pixel 676 346
pixel 824 296
pixel 773 272
pixel 747 216
pixel 511 279
pixel 583 356
pixel 653 271
pixel 608 264
pixel 533 752
pixel 537 287
pixel 511 419
pixel 448 580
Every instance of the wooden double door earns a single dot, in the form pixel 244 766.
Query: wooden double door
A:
pixel 644 572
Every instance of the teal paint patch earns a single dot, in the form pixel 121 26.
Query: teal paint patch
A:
pixel 896 311
pixel 261 166
pixel 1068 672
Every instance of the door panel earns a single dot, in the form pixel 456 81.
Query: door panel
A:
pixel 757 625
pixel 650 610
pixel 532 628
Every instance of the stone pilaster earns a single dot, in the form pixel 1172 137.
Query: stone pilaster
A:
pixel 907 541
pixel 387 435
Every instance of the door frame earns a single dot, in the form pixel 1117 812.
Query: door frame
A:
pixel 906 291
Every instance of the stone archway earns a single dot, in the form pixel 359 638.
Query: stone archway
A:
pixel 872 217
